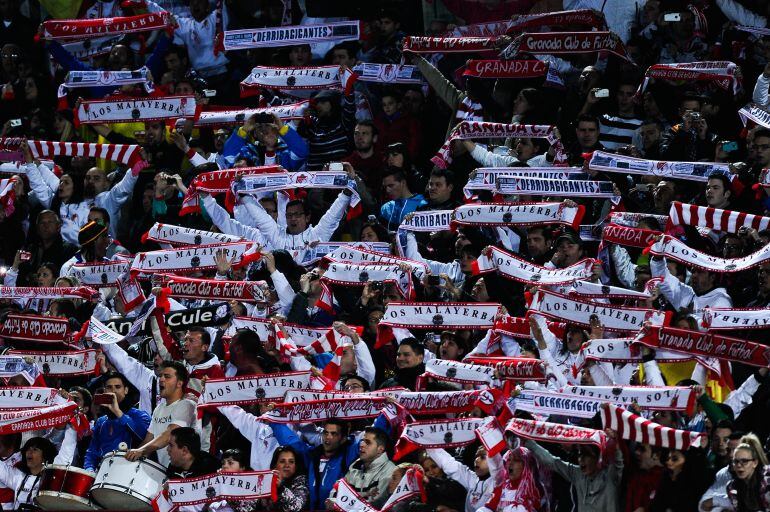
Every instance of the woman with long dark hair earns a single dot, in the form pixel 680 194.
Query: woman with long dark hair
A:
pixel 684 481
pixel 293 492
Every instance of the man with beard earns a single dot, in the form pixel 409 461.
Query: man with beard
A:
pixel 97 192
pixel 121 423
pixel 365 159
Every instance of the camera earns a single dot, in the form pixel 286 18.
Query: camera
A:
pixel 263 118
pixel 336 167
pixel 602 93
pixel 672 16
pixel 376 286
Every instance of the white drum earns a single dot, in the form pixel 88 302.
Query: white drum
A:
pixel 124 485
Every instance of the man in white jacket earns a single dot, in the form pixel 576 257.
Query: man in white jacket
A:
pixel 702 291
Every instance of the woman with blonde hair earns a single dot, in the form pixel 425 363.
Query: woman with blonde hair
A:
pixel 749 489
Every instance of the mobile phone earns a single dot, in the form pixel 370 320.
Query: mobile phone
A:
pixel 209 93
pixel 672 16
pixel 434 280
pixel 336 167
pixel 602 93
pixel 729 146
pixel 376 285
pixel 102 399
pixel 15 123
pixel 25 255
pixel 263 118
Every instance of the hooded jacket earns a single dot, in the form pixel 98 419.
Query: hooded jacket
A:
pixel 371 481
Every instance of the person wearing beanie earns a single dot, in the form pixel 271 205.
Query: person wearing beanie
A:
pixel 94 240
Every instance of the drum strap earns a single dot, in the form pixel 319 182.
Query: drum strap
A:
pixel 154 393
pixel 31 490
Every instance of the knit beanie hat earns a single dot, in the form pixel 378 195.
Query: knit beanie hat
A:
pixel 90 232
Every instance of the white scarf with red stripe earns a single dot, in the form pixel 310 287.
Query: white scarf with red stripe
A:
pixel 269 37
pixel 320 410
pixel 11 366
pixel 251 389
pixel 170 235
pixel 552 403
pixel 426 44
pixel 63 30
pixel 491 436
pixel 721 73
pixel 669 398
pixel 512 368
pixel 310 255
pixel 577 311
pixel 672 248
pixel 692 171
pixel 516 268
pixel 256 184
pixel 309 340
pixel 214 118
pixel 128 110
pixel 436 434
pixel 543 186
pixel 439 402
pixel 126 154
pixel 387 73
pixel 428 222
pixel 63 364
pixel 544 432
pixel 633 427
pixel 472 129
pixel 454 371
pixel 7 196
pixel 101 334
pixel 99 275
pixel 26 397
pixel 218 182
pixel 597 290
pixel 724 318
pixel 240 486
pixel 621 350
pixel 352 274
pixel 485 178
pixel 517 214
pixel 106 78
pixel 351 254
pixel 194 258
pixel 683 214
pixel 312 78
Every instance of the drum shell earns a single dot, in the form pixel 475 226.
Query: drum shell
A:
pixel 126 485
pixel 65 488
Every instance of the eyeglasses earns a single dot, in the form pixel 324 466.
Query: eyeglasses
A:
pixel 741 462
pixel 351 387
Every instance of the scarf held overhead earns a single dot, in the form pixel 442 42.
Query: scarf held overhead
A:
pixel 517 214
pixel 271 37
pixel 131 110
pixel 63 30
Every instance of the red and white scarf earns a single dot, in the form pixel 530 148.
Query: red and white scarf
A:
pixel 517 214
pixel 271 37
pixel 672 248
pixel 633 427
pixel 256 184
pixel 215 289
pixel 439 402
pixel 320 410
pixel 518 327
pixel 240 486
pixel 691 171
pixel 511 69
pixel 518 185
pixel 99 275
pixel 421 435
pixel 105 78
pixel 667 398
pixel 621 350
pixel 427 44
pixel 8 196
pixel 756 114
pixel 352 254
pixel 215 118
pixel 63 364
pixel 483 130
pixel 697 343
pixel 130 110
pixel 101 334
pixel 512 368
pixel 485 178
pixel 629 236
pixel 310 255
pixel 585 17
pixel 684 214
pixel 454 371
pixel 126 154
pixel 428 222
pixel 738 318
pixel 194 259
pixel 40 329
pixel 352 274
pixel 554 403
pixel 218 182
pixel 251 389
pixel 85 49
pixel 632 220
pixel 170 235
pixel 10 366
pixel 491 436
pixel 13 422
pixel 721 73
pixel 577 311
pixel 28 397
pixel 569 43
pixel 544 432
pixel 64 30
pixel 516 268
pixel 309 340
pixel 387 73
pixel 597 290
pixel 346 499
pixel 312 78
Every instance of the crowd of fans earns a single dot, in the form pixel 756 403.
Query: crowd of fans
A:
pixel 677 135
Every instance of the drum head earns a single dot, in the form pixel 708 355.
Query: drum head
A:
pixel 113 498
pixel 49 500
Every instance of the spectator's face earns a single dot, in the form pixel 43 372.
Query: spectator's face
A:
pixel 353 385
pixel 645 457
pixel 732 248
pixel 286 465
pixel 537 244
pixel 744 464
pixel 66 188
pixel 118 56
pixel 155 133
pixel 388 27
pixel 479 291
pixel 650 135
pixel 363 138
pixel 625 97
pixel 480 466
pixel 515 468
pixel 147 198
pixel 348 361
pixel 466 262
pixel 719 441
pixel 7 8
pixel 393 187
pixel 193 348
pixel 701 280
pixel 640 278
pixel 369 450
pixel 449 350
pixel 199 9
pixel 168 383
pixel 175 453
pixel 116 386
pixel 369 235
pixel 520 105
pixel 95 216
pixel 572 252
pixel 588 463
pixel 373 320
pixel 650 106
pixel 763 278
pixel 390 105
pixel 575 339
pixel 30 89
pixel 587 134
pixel 270 207
pixel 343 58
pixel 184 89
pixel 323 108
pixel 48 226
pixel 296 219
pixel 589 78
pixel 331 438
pixel 651 11
pixel 689 106
pixel 716 195
pixel 230 465
pixel 406 357
pixel 759 151
pixel 438 189
pixel 662 196
pixel 45 277
pixel 34 457
pixel 413 102
pixel 174 63
pixel 267 135
pixel 300 55
pixel 219 140
pixel 94 182
pixel 395 160
pixel 524 149
pixel 431 468
pixel 675 462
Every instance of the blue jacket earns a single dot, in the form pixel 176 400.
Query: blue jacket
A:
pixel 131 429
pixel 291 155
pixel 394 211
pixel 320 485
